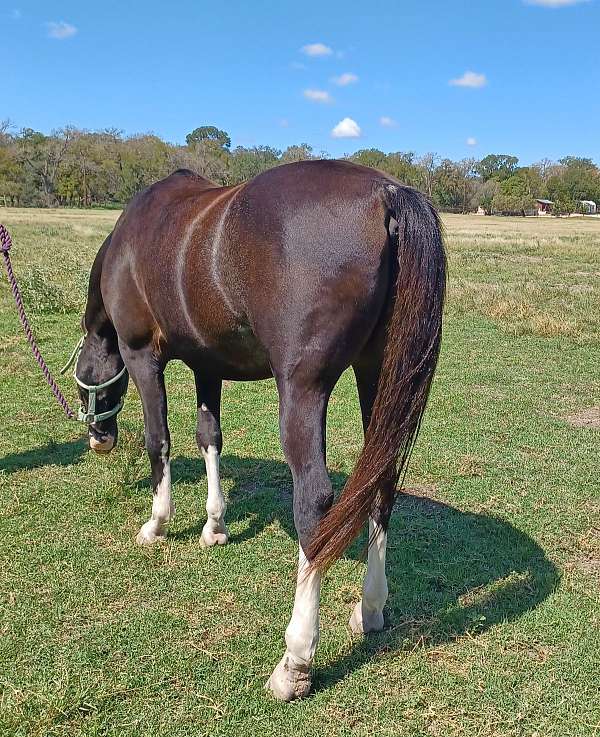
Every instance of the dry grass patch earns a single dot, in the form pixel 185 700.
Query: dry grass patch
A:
pixel 512 306
pixel 588 418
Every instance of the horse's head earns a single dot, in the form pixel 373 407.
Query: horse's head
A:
pixel 102 381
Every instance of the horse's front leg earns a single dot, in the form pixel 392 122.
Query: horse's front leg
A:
pixel 148 376
pixel 302 425
pixel 210 444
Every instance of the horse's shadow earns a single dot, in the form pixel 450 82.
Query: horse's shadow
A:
pixel 51 454
pixel 449 572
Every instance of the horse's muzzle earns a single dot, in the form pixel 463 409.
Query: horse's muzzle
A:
pixel 102 443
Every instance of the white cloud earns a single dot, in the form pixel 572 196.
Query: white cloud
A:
pixel 345 79
pixel 346 128
pixel 60 30
pixel 469 79
pixel 318 96
pixel 387 122
pixel 471 141
pixel 554 3
pixel 317 49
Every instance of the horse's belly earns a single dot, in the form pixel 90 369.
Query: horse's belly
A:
pixel 236 354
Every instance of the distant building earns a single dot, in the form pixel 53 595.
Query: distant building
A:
pixel 544 207
pixel 588 207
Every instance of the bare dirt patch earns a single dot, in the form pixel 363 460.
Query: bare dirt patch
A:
pixel 588 418
pixel 425 491
pixel 591 567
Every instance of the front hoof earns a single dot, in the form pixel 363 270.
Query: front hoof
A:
pixel 209 538
pixel 148 535
pixel 363 621
pixel 289 681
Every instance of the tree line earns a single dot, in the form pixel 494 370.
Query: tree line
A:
pixel 79 168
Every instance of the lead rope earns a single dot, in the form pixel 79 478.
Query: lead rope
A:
pixel 5 246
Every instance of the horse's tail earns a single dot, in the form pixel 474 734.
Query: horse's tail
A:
pixel 412 348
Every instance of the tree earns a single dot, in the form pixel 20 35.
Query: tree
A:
pixel 5 126
pixel 426 168
pixel 245 163
pixel 577 161
pixel 514 195
pixel 575 179
pixel 543 168
pixel 483 195
pixel 208 133
pixel 301 152
pixel 533 179
pixel 207 158
pixel 11 174
pixel 44 155
pixel 454 184
pixel 497 166
pixel 400 164
pixel 563 205
pixel 372 157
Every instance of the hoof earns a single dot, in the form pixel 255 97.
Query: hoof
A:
pixel 363 621
pixel 148 535
pixel 289 681
pixel 210 538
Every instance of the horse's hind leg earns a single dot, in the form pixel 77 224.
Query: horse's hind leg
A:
pixel 368 613
pixel 149 378
pixel 210 443
pixel 302 412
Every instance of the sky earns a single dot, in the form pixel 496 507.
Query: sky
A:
pixel 455 77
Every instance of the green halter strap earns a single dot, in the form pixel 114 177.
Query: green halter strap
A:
pixel 90 417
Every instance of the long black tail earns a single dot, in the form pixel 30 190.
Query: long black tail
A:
pixel 410 357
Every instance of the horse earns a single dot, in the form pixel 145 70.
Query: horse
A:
pixel 297 274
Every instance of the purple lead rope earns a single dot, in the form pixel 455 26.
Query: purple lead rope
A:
pixel 5 246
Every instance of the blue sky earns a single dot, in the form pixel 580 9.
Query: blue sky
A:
pixel 454 77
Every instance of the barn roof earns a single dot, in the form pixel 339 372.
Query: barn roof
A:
pixel 545 202
pixel 587 202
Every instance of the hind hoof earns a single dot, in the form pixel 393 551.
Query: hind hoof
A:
pixel 289 681
pixel 363 621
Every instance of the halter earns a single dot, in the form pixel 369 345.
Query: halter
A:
pixel 90 417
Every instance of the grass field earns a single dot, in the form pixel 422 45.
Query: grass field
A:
pixel 493 621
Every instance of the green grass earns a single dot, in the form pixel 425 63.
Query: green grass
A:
pixel 493 622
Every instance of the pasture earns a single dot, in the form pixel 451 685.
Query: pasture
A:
pixel 493 621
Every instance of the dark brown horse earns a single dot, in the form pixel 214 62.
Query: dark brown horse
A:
pixel 305 270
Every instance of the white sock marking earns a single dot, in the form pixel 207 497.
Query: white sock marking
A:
pixel 375 588
pixel 302 633
pixel 161 502
pixel 162 505
pixel 291 678
pixel 215 503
